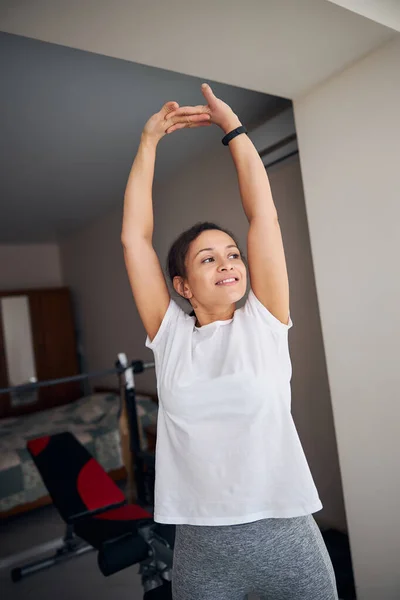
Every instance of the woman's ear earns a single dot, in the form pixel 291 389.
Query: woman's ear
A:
pixel 179 287
pixel 177 283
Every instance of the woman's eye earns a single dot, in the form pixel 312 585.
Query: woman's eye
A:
pixel 212 258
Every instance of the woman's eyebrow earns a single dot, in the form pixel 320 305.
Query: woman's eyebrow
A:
pixel 211 249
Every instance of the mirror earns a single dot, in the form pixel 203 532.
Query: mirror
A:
pixel 18 346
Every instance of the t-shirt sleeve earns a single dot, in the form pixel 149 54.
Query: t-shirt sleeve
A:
pixel 254 307
pixel 168 325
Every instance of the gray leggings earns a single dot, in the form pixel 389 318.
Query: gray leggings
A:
pixel 277 559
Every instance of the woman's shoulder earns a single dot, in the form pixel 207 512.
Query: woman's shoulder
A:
pixel 254 310
pixel 175 320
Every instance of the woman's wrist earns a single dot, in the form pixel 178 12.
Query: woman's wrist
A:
pixel 148 141
pixel 232 123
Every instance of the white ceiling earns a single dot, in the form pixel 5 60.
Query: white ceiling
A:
pixel 280 47
pixel 72 118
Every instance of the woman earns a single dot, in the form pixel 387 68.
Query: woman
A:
pixel 231 473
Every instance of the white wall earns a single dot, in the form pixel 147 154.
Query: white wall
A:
pixel 94 268
pixel 349 137
pixel 29 266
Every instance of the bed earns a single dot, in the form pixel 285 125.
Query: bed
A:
pixel 42 391
pixel 96 422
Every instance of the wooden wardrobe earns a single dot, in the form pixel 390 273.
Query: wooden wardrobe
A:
pixel 53 340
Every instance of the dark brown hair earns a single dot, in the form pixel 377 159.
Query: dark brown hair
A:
pixel 176 266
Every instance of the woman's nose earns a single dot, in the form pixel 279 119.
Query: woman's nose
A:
pixel 225 266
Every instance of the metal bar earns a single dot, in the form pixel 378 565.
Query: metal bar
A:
pixel 278 145
pixel 141 467
pixel 281 159
pixel 45 563
pixel 138 366
pixel 33 386
pixel 38 550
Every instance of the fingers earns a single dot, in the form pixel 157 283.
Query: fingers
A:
pixel 188 111
pixel 186 125
pixel 169 107
pixel 186 120
pixel 208 94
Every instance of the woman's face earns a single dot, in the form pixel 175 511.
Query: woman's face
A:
pixel 213 257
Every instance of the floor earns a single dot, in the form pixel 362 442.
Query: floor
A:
pixel 77 579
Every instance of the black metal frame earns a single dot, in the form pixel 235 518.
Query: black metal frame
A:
pixel 71 547
pixel 143 462
pixel 156 569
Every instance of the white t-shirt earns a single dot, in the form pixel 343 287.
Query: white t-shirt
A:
pixel 227 449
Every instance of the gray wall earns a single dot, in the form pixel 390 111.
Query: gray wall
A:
pixel 29 266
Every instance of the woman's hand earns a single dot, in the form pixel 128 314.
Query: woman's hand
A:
pixel 220 113
pixel 164 122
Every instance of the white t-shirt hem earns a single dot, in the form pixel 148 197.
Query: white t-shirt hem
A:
pixel 239 520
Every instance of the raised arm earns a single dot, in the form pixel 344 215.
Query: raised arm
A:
pixel 147 280
pixel 266 257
